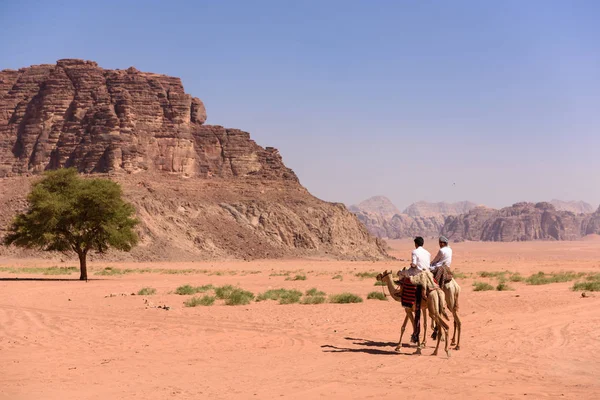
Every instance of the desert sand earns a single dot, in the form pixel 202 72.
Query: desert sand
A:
pixel 65 339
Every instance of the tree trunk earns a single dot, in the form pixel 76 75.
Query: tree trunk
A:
pixel 83 266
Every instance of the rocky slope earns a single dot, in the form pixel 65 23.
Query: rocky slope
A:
pixel 201 191
pixel 521 221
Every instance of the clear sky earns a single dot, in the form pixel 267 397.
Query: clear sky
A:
pixel 489 101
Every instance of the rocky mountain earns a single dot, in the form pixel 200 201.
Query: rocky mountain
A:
pixel 521 221
pixel 426 209
pixel 201 191
pixel 577 207
pixel 377 205
pixel 384 220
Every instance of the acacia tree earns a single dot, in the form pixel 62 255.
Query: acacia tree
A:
pixel 68 213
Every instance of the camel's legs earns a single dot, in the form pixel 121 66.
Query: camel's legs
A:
pixel 406 319
pixel 457 327
pixel 424 309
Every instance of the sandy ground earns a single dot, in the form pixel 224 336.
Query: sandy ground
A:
pixel 67 340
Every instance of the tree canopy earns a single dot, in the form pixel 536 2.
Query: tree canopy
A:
pixel 69 213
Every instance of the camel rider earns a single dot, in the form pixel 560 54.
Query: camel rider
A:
pixel 444 255
pixel 440 265
pixel 420 262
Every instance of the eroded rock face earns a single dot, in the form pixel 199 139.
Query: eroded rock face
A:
pixel 521 221
pixel 200 191
pixel 577 207
pixel 426 209
pixel 76 114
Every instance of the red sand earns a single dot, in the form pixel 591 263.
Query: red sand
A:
pixel 66 340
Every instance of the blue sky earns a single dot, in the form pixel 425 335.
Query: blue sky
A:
pixel 493 102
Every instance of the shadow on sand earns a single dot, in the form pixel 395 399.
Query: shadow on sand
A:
pixel 46 280
pixel 367 347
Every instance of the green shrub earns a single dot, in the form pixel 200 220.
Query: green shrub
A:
pixel 200 301
pixel 223 292
pixel 590 286
pixel 379 283
pixel 502 286
pixel 185 290
pixel 313 300
pixel 516 277
pixel 296 278
pixel 459 275
pixel 366 275
pixel 482 286
pixel 376 296
pixel 542 278
pixel 147 291
pixel 239 297
pixel 492 274
pixel 314 292
pixel 284 296
pixel 344 298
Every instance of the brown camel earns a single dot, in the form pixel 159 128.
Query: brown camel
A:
pixel 436 305
pixel 396 293
pixel 452 292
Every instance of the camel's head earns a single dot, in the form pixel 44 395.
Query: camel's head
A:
pixel 380 277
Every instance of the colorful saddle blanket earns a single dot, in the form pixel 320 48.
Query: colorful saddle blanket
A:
pixel 442 275
pixel 409 293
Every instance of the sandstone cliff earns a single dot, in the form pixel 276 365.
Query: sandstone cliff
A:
pixel 200 191
pixel 521 221
pixel 377 205
pixel 76 114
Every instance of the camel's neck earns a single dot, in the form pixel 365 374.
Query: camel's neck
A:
pixel 395 292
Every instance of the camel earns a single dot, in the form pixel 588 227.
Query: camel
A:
pixel 436 305
pixel 451 292
pixel 396 294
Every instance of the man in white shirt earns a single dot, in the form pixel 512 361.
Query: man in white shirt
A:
pixel 444 256
pixel 420 262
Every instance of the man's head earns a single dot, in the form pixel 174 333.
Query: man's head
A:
pixel 419 241
pixel 443 241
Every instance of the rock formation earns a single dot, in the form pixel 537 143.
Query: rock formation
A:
pixel 426 209
pixel 577 207
pixel 201 191
pixel 384 220
pixel 521 221
pixel 76 114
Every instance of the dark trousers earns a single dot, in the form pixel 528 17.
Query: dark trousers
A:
pixel 417 330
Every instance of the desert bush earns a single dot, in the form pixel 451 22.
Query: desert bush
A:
pixel 482 286
pixel 502 286
pixel 590 286
pixel 516 277
pixel 459 275
pixel 492 274
pixel 313 300
pixel 340 277
pixel 344 298
pixel 284 296
pixel 376 296
pixel 147 291
pixel 379 283
pixel 296 278
pixel 200 301
pixel 542 278
pixel 314 292
pixel 238 297
pixel 223 292
pixel 366 275
pixel 189 289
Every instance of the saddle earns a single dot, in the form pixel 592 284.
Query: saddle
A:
pixel 442 275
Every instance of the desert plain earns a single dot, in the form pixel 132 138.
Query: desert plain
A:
pixel 65 339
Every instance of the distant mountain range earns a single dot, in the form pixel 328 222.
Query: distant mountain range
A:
pixel 465 220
